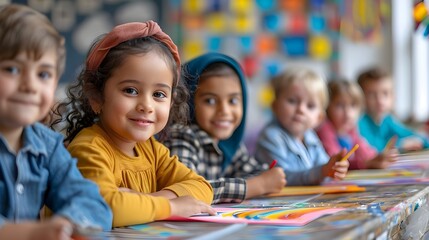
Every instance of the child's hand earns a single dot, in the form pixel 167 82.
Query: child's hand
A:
pixel 412 144
pixel 274 180
pixel 383 160
pixel 270 181
pixel 57 228
pixel 336 168
pixel 186 206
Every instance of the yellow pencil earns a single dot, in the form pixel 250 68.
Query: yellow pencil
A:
pixel 355 147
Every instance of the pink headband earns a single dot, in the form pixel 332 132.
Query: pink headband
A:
pixel 125 32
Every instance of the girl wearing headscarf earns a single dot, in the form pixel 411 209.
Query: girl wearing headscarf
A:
pixel 212 144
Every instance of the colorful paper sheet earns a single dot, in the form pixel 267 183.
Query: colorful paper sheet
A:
pixel 271 216
pixel 305 190
pixel 286 201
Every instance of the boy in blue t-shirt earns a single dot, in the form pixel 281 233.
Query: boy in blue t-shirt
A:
pixel 378 125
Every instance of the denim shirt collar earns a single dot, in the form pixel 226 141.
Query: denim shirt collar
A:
pixel 32 143
pixel 310 140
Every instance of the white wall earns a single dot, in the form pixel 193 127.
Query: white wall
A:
pixel 420 75
pixel 356 56
pixel 402 31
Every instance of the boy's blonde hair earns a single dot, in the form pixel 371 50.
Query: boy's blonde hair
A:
pixel 23 29
pixel 313 82
pixel 374 74
pixel 345 88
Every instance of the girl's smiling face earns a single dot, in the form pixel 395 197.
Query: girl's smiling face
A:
pixel 219 106
pixel 137 100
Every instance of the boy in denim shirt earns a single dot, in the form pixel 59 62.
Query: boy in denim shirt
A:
pixel 35 167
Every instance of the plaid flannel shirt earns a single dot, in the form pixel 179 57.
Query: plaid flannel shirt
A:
pixel 196 149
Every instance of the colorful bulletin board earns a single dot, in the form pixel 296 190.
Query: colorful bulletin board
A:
pixel 267 34
pixel 263 34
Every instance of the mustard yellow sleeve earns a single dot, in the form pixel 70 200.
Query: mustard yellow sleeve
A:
pixel 96 162
pixel 175 176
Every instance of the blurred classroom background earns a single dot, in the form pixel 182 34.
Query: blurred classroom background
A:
pixel 337 38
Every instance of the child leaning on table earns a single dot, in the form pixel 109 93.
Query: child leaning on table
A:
pixel 339 130
pixel 125 94
pixel 298 107
pixel 35 167
pixel 378 125
pixel 212 144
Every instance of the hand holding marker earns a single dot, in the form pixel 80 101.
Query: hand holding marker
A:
pixel 355 147
pixel 273 163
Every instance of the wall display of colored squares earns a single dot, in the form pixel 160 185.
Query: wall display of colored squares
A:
pixel 264 34
pixel 261 34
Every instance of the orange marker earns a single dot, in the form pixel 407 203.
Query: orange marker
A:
pixel 355 147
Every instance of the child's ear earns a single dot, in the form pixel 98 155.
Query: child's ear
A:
pixel 95 97
pixel 274 104
pixel 95 103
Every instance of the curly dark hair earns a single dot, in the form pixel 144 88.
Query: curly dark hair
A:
pixel 75 112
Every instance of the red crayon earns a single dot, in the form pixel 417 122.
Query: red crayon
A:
pixel 273 163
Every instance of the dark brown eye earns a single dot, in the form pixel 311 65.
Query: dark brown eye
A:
pixel 159 95
pixel 131 91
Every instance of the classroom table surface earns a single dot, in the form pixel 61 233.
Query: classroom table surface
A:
pixel 381 212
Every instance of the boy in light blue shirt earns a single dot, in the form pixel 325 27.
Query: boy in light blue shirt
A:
pixel 35 167
pixel 300 99
pixel 378 125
